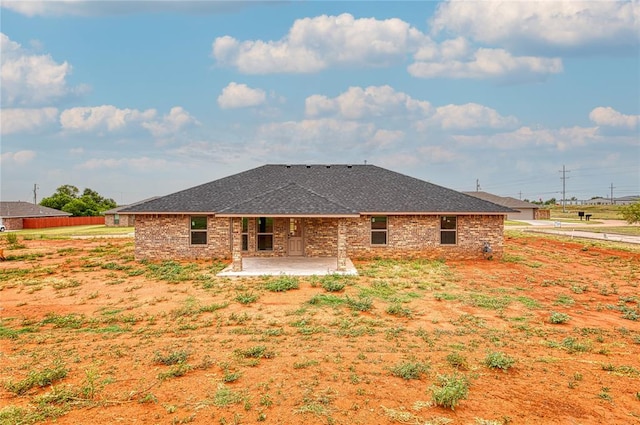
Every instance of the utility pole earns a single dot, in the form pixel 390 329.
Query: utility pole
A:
pixel 564 186
pixel 35 193
pixel 612 193
pixel 520 195
pixel 477 185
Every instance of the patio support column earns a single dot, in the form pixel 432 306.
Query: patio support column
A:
pixel 342 244
pixel 236 244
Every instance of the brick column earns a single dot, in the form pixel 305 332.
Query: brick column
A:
pixel 342 244
pixel 236 244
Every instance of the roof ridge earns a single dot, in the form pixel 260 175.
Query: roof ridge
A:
pixel 280 188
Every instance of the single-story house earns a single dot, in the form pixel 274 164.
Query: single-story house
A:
pixel 13 213
pixel 358 211
pixel 112 217
pixel 522 210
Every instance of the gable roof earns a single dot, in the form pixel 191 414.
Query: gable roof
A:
pixel 21 209
pixel 317 190
pixel 117 209
pixel 506 201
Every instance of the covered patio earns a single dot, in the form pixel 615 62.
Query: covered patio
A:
pixel 292 266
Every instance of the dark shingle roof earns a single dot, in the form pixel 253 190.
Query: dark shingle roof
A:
pixel 21 209
pixel 317 189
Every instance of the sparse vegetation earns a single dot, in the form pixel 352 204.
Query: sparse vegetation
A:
pixel 135 334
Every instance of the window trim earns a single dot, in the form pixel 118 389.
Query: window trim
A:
pixel 244 232
pixel 116 219
pixel 193 231
pixel 384 231
pixel 258 233
pixel 449 231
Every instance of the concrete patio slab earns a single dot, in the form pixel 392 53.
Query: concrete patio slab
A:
pixel 292 266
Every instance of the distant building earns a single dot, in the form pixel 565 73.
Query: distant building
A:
pixel 624 200
pixel 524 210
pixel 112 217
pixel 13 213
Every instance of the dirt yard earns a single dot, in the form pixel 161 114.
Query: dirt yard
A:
pixel 550 334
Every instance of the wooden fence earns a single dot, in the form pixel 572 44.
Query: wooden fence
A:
pixel 39 223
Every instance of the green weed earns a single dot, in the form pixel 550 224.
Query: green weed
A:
pixel 283 284
pixel 499 360
pixel 409 370
pixel 449 390
pixel 40 378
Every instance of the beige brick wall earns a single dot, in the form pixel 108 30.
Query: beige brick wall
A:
pixel 419 236
pixel 168 237
pixel 125 220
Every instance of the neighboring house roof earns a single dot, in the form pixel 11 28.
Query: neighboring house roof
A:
pixel 116 210
pixel 505 201
pixel 317 189
pixel 627 198
pixel 21 209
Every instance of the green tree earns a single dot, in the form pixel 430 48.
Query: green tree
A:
pixel 631 212
pixel 67 198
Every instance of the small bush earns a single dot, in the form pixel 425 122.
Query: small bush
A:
pixel 171 358
pixel 398 309
pixel 450 390
pixel 283 284
pixel 333 286
pixel 557 318
pixel 40 378
pixel 257 352
pixel 457 361
pixel 246 298
pixel 498 360
pixel 409 370
pixel 360 304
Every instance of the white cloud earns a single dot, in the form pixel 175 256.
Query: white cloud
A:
pixel 607 116
pixel 313 44
pixel 18 158
pixel 438 154
pixel 105 117
pixel 20 120
pixel 560 139
pixel 373 101
pixel 28 79
pixel 240 96
pixel 542 24
pixel 142 163
pixel 468 116
pixel 485 63
pixel 172 123
pixel 386 138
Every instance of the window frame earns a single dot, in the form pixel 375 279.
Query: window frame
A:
pixel 260 234
pixel 197 230
pixel 448 231
pixel 245 234
pixel 379 231
pixel 116 219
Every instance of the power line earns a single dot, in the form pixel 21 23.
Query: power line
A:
pixel 564 193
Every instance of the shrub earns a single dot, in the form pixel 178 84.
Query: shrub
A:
pixel 360 304
pixel 40 378
pixel 559 318
pixel 409 370
pixel 171 358
pixel 398 309
pixel 499 360
pixel 257 352
pixel 450 390
pixel 283 284
pixel 246 298
pixel 457 360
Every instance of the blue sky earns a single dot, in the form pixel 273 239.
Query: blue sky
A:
pixel 139 99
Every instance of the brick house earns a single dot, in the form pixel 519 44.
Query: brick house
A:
pixel 13 213
pixel 522 210
pixel 357 211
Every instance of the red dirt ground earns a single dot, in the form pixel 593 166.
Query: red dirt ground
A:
pixel 317 374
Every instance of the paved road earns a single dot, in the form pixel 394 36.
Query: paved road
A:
pixel 577 230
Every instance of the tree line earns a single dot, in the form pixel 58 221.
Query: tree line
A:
pixel 67 198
